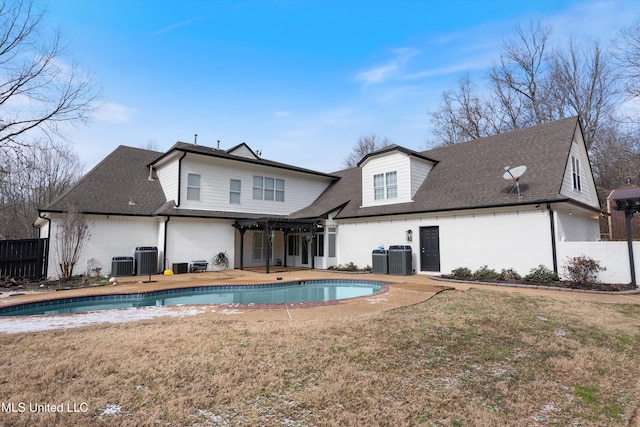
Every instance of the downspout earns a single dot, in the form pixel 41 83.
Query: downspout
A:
pixel 552 224
pixel 164 248
pixel 184 154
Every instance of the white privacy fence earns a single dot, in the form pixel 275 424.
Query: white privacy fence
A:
pixel 612 255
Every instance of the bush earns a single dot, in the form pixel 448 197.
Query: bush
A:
pixel 509 274
pixel 486 273
pixel 541 274
pixel 461 272
pixel 583 269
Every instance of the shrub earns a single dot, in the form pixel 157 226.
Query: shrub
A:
pixel 541 274
pixel 509 274
pixel 461 272
pixel 486 273
pixel 351 267
pixel 583 269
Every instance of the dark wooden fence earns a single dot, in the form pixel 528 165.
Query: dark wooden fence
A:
pixel 24 259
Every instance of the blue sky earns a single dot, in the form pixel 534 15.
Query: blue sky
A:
pixel 299 80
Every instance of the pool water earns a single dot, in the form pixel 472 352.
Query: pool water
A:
pixel 281 293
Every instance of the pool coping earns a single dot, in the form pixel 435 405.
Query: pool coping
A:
pixel 121 295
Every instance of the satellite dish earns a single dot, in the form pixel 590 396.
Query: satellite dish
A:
pixel 514 174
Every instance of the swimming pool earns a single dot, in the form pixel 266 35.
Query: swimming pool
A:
pixel 278 293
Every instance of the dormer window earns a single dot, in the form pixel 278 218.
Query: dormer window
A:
pixel 385 185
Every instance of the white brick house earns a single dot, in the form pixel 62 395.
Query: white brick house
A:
pixel 451 204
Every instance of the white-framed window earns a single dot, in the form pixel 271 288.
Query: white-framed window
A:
pixel 193 186
pixel 234 191
pixel 385 186
pixel 266 188
pixel 378 186
pixel 391 184
pixel 258 187
pixel 575 171
pixel 331 234
pixel 279 190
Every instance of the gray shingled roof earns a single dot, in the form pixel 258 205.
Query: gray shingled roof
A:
pixel 469 175
pixel 213 152
pixel 109 187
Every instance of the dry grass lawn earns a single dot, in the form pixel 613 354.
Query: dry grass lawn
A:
pixel 462 358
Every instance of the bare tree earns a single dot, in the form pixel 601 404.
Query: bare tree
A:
pixel 628 58
pixel 615 157
pixel 70 239
pixel 38 90
pixel 463 115
pixel 519 79
pixel 31 180
pixel 532 84
pixel 535 83
pixel 365 145
pixel 584 84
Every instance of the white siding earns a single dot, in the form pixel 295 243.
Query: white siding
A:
pixel 587 193
pixel 110 236
pixel 168 176
pixel 196 239
pixel 419 171
pixel 300 189
pixel 389 162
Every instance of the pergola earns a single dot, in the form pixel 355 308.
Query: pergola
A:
pixel 271 224
pixel 630 207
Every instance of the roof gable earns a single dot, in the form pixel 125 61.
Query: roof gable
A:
pixel 391 148
pixel 243 150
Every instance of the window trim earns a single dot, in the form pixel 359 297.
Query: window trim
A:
pixel 383 187
pixel 270 189
pixel 575 173
pixel 193 195
pixel 233 192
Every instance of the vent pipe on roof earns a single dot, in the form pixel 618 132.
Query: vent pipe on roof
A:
pixel 218 144
pixel 195 139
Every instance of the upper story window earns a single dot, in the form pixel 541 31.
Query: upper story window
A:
pixel 265 188
pixel 385 186
pixel 575 170
pixel 234 191
pixel 193 187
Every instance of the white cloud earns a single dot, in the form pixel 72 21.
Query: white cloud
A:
pixel 393 67
pixel 113 113
pixel 282 113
